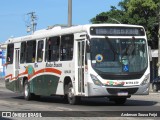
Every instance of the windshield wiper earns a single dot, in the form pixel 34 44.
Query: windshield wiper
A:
pixel 130 48
pixel 112 47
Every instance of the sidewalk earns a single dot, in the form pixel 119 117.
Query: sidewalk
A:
pixel 151 91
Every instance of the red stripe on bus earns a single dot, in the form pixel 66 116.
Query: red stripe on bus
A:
pixel 51 70
pixel 10 75
pixel 26 72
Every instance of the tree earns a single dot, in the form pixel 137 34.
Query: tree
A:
pixel 113 13
pixel 139 12
pixel 144 12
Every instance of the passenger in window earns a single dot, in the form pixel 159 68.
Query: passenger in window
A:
pixel 33 59
pixel 8 59
pixel 39 59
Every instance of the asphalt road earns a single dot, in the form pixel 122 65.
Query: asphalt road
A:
pixel 93 108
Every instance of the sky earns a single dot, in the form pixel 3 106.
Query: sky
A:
pixel 14 18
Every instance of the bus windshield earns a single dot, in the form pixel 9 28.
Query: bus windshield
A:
pixel 118 55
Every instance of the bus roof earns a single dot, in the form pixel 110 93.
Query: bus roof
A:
pixel 61 30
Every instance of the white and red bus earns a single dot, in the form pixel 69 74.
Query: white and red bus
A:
pixel 96 60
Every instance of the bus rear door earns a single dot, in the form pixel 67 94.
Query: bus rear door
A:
pixel 16 71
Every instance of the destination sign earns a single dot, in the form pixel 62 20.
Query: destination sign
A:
pixel 117 31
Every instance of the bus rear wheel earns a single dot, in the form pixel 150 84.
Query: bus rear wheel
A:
pixel 72 99
pixel 27 94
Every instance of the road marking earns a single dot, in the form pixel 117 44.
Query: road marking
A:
pixel 18 105
pixel 64 109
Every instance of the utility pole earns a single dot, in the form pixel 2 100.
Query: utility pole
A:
pixel 33 24
pixel 69 13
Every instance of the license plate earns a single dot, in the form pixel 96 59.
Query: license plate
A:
pixel 122 93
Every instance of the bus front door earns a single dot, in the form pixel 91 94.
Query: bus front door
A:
pixel 80 62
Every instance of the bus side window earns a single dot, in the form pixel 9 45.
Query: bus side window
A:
pixel 52 49
pixel 10 52
pixel 23 52
pixel 55 50
pixel 40 51
pixel 31 50
pixel 67 47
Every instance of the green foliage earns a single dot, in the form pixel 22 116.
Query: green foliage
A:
pixel 139 12
pixel 142 6
pixel 114 12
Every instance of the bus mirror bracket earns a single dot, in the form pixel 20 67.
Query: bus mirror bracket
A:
pixel 88 49
pixel 150 53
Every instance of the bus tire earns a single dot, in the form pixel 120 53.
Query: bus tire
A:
pixel 155 88
pixel 72 100
pixel 27 94
pixel 120 101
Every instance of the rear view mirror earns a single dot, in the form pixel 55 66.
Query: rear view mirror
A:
pixel 150 53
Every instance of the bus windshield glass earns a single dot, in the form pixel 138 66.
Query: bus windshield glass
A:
pixel 118 55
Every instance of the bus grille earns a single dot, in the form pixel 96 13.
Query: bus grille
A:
pixel 116 90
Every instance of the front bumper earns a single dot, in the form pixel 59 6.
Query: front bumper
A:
pixel 94 90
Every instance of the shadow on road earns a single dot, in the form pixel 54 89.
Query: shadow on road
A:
pixel 85 101
pixel 91 101
pixel 2 118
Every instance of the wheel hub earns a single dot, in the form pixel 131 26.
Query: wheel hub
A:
pixel 26 90
pixel 70 93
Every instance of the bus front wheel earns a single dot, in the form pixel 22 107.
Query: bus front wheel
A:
pixel 72 99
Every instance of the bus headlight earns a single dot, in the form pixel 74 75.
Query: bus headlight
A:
pixel 96 80
pixel 146 80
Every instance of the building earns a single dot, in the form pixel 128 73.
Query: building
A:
pixel 2 60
